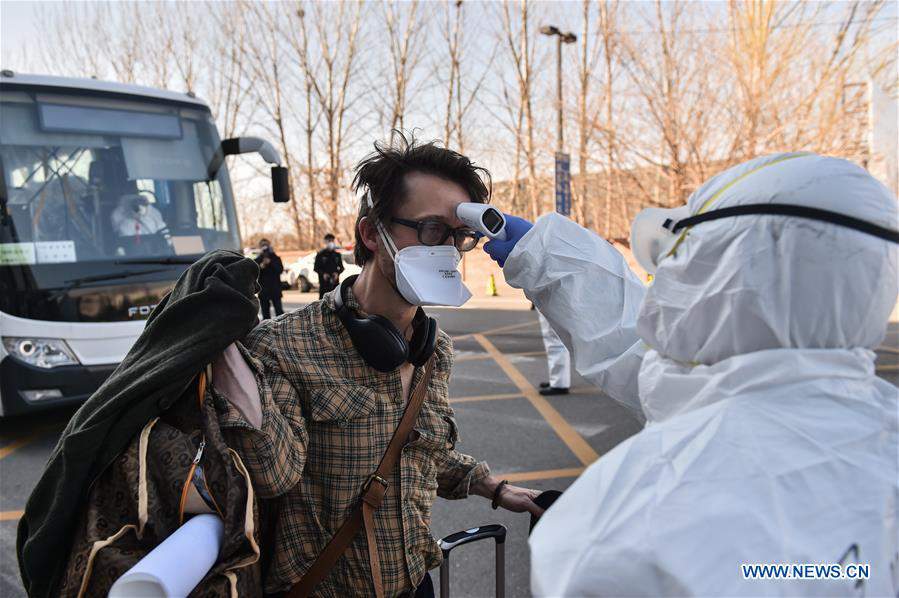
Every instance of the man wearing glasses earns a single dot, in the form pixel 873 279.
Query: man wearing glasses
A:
pixel 331 399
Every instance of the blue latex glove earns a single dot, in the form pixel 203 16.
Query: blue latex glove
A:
pixel 516 228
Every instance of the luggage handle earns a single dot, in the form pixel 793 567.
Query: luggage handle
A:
pixel 447 543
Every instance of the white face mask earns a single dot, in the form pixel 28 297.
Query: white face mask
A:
pixel 331 245
pixel 426 275
pixel 136 204
pixel 650 240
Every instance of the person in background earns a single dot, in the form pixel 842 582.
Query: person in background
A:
pixel 270 268
pixel 328 266
pixel 136 216
pixel 558 361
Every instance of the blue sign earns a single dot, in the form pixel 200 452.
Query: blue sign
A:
pixel 563 184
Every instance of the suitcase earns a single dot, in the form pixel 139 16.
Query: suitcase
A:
pixel 495 531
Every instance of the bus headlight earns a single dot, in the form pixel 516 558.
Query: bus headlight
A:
pixel 40 352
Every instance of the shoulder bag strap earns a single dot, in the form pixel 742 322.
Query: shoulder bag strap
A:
pixel 373 494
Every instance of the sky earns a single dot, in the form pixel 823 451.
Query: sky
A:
pixel 21 35
pixel 17 26
pixel 18 22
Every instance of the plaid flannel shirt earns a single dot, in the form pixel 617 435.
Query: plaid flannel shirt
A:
pixel 327 420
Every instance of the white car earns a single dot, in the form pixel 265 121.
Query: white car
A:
pixel 300 275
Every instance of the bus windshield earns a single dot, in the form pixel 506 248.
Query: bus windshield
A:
pixel 94 187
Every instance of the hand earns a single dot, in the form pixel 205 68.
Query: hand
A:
pixel 516 228
pixel 519 500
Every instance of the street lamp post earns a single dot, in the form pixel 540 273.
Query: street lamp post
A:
pixel 561 38
pixel 563 160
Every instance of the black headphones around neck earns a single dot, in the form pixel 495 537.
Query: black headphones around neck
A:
pixel 377 340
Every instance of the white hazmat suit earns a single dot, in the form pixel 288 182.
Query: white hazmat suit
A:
pixel 558 359
pixel 769 438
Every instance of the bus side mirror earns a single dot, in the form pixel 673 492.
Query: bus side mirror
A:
pixel 280 184
pixel 244 145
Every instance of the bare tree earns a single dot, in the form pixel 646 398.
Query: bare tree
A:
pixel 230 84
pixel 159 57
pixel 676 109
pixel 452 34
pixel 460 97
pixel 337 29
pixel 587 112
pixel 608 12
pixel 276 84
pixel 765 42
pixel 830 123
pixel 404 24
pixel 299 41
pixel 796 86
pixel 668 92
pixel 186 47
pixel 516 27
pixel 101 40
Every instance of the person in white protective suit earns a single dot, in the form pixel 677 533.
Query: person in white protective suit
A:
pixel 135 216
pixel 558 361
pixel 769 438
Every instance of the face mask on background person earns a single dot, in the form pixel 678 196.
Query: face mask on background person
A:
pixel 425 275
pixel 331 245
pixel 137 204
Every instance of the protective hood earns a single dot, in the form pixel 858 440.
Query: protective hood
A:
pixel 738 285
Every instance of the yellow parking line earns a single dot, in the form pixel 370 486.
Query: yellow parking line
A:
pixel 13 515
pixel 496 330
pixel 583 451
pixel 15 445
pixel 512 395
pixel 887 368
pixel 548 474
pixel 886 349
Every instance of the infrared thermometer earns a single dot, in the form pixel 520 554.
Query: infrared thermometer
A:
pixel 483 218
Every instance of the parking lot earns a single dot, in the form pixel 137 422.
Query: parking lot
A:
pixel 534 441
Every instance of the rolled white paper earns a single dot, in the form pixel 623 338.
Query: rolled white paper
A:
pixel 175 567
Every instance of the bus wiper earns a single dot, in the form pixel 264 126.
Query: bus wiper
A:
pixel 77 282
pixel 101 277
pixel 161 260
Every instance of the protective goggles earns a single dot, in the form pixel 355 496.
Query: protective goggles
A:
pixel 656 232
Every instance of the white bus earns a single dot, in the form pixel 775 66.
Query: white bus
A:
pixel 107 193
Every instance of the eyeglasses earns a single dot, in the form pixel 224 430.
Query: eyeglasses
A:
pixel 434 232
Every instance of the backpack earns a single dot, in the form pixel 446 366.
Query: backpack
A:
pixel 178 465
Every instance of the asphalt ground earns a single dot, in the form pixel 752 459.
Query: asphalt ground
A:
pixel 530 440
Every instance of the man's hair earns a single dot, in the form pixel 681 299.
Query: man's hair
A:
pixel 264 240
pixel 329 237
pixel 382 173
